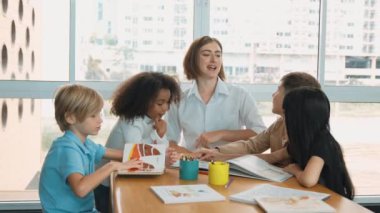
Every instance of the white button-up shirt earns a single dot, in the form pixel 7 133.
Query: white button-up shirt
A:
pixel 230 108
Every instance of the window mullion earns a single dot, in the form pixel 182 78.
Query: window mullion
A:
pixel 322 42
pixel 72 41
pixel 201 18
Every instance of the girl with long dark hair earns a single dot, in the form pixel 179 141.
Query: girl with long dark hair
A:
pixel 317 156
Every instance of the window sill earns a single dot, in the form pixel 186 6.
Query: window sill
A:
pixel 20 205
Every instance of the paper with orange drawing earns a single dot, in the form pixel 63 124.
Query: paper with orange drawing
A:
pixel 186 193
pixel 152 155
pixel 293 204
pixel 268 190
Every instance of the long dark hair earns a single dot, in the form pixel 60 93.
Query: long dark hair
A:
pixel 134 96
pixel 307 115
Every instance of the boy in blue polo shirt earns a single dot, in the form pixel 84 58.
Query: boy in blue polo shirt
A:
pixel 68 176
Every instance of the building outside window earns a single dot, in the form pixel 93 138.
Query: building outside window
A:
pixel 113 40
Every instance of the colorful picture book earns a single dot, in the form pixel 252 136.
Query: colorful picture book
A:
pixel 187 193
pixel 267 190
pixel 293 204
pixel 152 155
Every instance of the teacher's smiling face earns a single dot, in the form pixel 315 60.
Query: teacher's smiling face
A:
pixel 210 60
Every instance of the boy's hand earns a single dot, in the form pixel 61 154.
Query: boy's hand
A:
pixel 209 154
pixel 160 126
pixel 171 156
pixel 131 164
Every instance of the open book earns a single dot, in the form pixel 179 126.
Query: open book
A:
pixel 254 167
pixel 152 155
pixel 267 190
pixel 186 193
pixel 293 204
pixel 250 166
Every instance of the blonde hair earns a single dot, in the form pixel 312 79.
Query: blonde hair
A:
pixel 76 100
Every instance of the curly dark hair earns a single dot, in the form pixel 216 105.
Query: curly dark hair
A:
pixel 134 96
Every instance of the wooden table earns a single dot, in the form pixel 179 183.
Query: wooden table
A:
pixel 133 194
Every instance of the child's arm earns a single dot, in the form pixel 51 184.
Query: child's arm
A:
pixel 214 154
pixel 113 154
pixel 223 135
pixel 179 149
pixel 310 175
pixel 275 157
pixel 82 185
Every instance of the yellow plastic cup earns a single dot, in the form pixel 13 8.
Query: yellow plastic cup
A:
pixel 218 173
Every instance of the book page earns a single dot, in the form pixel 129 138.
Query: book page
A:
pixel 255 166
pixel 186 193
pixel 152 155
pixel 268 190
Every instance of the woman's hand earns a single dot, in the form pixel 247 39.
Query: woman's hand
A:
pixel 208 137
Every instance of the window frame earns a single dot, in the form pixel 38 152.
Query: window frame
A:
pixel 262 92
pixel 46 89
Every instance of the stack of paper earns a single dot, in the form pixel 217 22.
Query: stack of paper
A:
pixel 303 204
pixel 268 190
pixel 186 193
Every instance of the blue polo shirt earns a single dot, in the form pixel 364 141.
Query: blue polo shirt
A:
pixel 66 156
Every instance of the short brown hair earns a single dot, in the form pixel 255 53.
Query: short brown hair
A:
pixel 76 100
pixel 190 62
pixel 294 80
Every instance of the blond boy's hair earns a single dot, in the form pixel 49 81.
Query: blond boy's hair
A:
pixel 76 100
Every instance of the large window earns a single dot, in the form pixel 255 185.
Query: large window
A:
pixel 98 43
pixel 352 45
pixel 354 127
pixel 117 39
pixel 262 42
